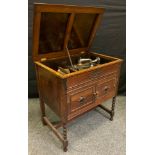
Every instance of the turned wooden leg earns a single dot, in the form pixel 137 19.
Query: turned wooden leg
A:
pixel 113 108
pixel 42 107
pixel 65 143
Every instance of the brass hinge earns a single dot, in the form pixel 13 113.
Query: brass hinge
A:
pixel 43 59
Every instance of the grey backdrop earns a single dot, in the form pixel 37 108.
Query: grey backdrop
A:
pixel 110 38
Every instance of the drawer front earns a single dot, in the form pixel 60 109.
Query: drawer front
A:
pixel 105 90
pixel 81 98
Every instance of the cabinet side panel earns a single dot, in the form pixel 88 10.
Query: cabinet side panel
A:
pixel 48 85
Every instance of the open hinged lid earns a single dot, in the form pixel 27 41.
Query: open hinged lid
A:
pixel 59 26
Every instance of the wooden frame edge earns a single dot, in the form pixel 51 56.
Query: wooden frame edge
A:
pixel 55 55
pixel 44 7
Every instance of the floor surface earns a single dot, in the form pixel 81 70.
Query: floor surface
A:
pixel 91 134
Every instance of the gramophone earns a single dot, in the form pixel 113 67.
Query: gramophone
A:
pixel 83 63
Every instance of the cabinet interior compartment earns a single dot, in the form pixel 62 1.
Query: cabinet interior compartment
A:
pixel 64 62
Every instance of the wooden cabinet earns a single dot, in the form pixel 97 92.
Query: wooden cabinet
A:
pixel 70 95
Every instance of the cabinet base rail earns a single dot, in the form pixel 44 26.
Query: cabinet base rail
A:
pixel 62 138
pixel 111 112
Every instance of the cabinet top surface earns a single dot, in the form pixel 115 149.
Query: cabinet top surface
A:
pixel 59 26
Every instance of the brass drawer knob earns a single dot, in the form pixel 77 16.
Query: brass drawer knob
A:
pixel 96 94
pixel 82 99
pixel 106 88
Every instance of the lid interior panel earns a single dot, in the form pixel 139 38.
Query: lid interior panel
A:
pixel 59 26
pixel 52 32
pixel 81 29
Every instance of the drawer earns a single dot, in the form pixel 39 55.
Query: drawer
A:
pixel 106 89
pixel 81 98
